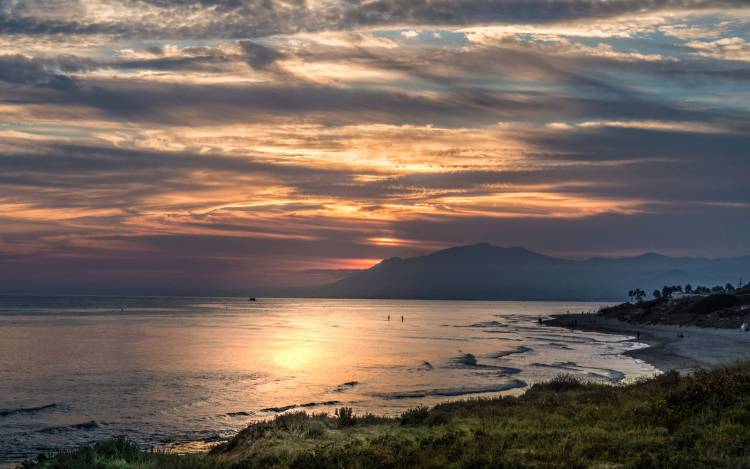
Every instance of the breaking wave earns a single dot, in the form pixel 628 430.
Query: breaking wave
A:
pixel 505 353
pixel 26 410
pixel 90 425
pixel 306 405
pixel 452 392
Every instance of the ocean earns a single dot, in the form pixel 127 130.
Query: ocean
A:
pixel 183 373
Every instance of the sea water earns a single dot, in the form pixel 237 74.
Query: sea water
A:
pixel 184 372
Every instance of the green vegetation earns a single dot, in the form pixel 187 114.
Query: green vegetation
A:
pixel 670 421
pixel 120 453
pixel 637 294
pixel 668 290
pixel 726 307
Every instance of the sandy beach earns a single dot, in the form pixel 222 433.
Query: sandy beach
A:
pixel 670 347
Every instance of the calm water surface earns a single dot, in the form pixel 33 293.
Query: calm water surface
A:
pixel 185 371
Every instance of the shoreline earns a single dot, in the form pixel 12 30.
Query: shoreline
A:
pixel 560 423
pixel 297 436
pixel 665 350
pixel 670 347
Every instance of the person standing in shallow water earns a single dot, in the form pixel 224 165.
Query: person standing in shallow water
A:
pixel 402 318
pixel 389 317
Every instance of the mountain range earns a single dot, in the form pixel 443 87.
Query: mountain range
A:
pixel 486 272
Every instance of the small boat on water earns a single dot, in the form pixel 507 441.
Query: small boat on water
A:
pixel 252 298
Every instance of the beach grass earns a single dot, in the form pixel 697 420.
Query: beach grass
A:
pixel 700 420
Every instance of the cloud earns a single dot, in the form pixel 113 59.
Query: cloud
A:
pixel 606 234
pixel 259 18
pixel 236 142
pixel 20 70
pixel 259 56
pixel 551 44
pixel 463 12
pixel 686 31
pixel 566 86
pixel 730 48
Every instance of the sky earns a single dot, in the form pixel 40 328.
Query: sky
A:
pixel 206 145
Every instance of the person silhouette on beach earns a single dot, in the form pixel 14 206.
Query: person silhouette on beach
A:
pixel 637 335
pixel 402 318
pixel 389 317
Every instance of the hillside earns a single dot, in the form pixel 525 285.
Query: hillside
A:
pixel 671 421
pixel 723 310
pixel 484 271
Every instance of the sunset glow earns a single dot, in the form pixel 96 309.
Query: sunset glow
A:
pixel 228 145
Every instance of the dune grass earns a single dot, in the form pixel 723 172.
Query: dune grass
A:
pixel 670 421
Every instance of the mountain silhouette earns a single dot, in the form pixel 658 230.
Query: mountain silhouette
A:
pixel 483 271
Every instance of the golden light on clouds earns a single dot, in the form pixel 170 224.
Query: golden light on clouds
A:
pixel 384 241
pixel 258 140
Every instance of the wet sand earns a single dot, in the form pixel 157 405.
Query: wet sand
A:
pixel 684 349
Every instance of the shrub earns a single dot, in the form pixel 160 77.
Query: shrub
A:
pixel 562 382
pixel 345 417
pixel 713 303
pixel 118 453
pixel 415 416
pixel 693 421
pixel 315 429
